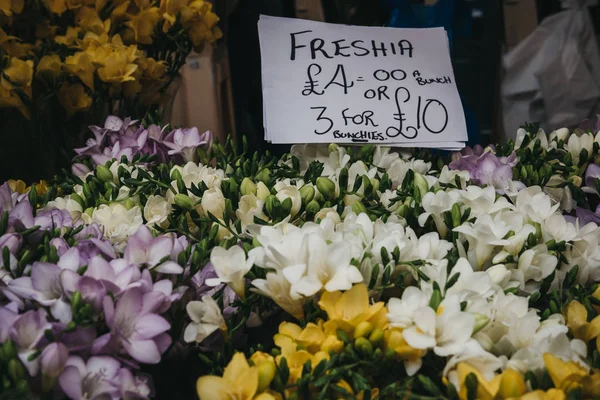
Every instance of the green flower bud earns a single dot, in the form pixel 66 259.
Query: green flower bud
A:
pixel 176 175
pixel 366 184
pixel 421 184
pixel 363 346
pixel 184 201
pixel 313 207
pixel 15 370
pixel 272 204
pixel 333 147
pixel 9 350
pixel 363 329
pixel 480 322
pixel 78 199
pixel 403 211
pixel 128 204
pixel 307 192
pixel 248 187
pixel 375 184
pixel 376 337
pixel 89 211
pixel 104 174
pixel 326 187
pixel 264 176
pixel 358 207
pixel 286 206
pixel 576 180
pixel 456 215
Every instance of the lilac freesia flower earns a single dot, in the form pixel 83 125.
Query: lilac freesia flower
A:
pixel 13 241
pixel 591 174
pixel 8 315
pixel 185 142
pixel 132 328
pixel 487 169
pixel 133 387
pixel 590 125
pixel 26 332
pixel 53 218
pixel 92 380
pixel 53 359
pixel 144 249
pixel 44 286
pixel 586 216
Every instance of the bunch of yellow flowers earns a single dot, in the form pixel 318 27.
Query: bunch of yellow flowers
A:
pixel 96 56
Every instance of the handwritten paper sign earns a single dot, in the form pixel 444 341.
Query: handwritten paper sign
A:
pixel 350 84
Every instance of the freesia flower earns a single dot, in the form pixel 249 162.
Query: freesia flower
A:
pixel 142 248
pixel 134 329
pixel 94 379
pixel 117 221
pixel 206 318
pixel 185 142
pixel 230 266
pixel 26 332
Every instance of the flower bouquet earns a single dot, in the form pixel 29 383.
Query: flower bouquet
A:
pixel 165 265
pixel 67 64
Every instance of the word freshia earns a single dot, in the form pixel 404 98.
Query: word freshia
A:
pixel 319 48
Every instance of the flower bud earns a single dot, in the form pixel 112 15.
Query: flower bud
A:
pixel 326 187
pixel 104 174
pixel 176 175
pixel 89 211
pixel 512 385
pixel 248 187
pixel 184 201
pixel 576 180
pixel 333 147
pixel 332 344
pixel 375 184
pixel 313 207
pixel 9 350
pixel 128 204
pixel 266 373
pixel 53 359
pixel 481 321
pixel 262 191
pixel 15 370
pixel 80 170
pixel 307 192
pixel 403 211
pixel 376 337
pixel 78 199
pixel 421 184
pixel 271 204
pixel 358 207
pixel 363 346
pixel 264 176
pixel 363 329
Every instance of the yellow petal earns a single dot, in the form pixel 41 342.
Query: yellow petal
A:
pixel 511 384
pixel 328 301
pixel 212 388
pixel 246 385
pixel 285 343
pixel 311 337
pixel 353 302
pixel 485 389
pixel 236 368
pixel 265 396
pixel 593 329
pixel 576 315
pixel 290 329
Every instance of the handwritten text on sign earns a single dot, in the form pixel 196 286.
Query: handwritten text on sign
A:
pixel 337 83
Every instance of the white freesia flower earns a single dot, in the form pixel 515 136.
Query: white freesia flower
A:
pixel 249 207
pixel 559 134
pixel 435 204
pixel 431 247
pixel 383 157
pixel 483 200
pixel 402 312
pixel 156 211
pixel 473 354
pixel 117 221
pixel 446 330
pixel 276 287
pixel 213 201
pixel 535 204
pixel 206 318
pixel 262 191
pixel 66 203
pixel 448 177
pixel 578 143
pixel 231 267
pixel 483 236
pixel 534 265
pixel 285 191
pixel 196 173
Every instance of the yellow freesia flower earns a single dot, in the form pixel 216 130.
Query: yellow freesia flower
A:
pixel 10 7
pixel 117 68
pixel 41 187
pixel 18 75
pixel 49 67
pixel 143 24
pixel 152 69
pixel 10 99
pixel 56 6
pixel 70 37
pixel 16 48
pixel 89 20
pixel 119 11
pixel 596 295
pixel 508 384
pixel 74 98
pixel 17 186
pixel 552 394
pixel 266 369
pixel 80 65
pixel 169 10
pixel 569 376
pixel 201 22
pixel 347 310
pixel 579 326
pixel 240 381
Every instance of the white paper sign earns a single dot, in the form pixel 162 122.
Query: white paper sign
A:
pixel 350 84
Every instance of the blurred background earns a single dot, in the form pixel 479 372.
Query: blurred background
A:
pixel 515 61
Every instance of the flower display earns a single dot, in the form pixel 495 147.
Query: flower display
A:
pixel 164 264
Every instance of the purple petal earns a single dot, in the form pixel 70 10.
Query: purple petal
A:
pixel 7 318
pixel 150 325
pixel 100 269
pixel 169 267
pixel 144 351
pixel 21 215
pixel 129 305
pixel 53 359
pixel 70 383
pixel 13 241
pixel 45 277
pixel 161 247
pixel 70 260
pixel 107 366
pixel 163 341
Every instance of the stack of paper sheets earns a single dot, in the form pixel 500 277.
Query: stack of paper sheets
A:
pixel 328 83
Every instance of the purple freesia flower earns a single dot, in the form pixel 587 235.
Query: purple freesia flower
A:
pixel 92 380
pixel 133 329
pixel 590 124
pixel 586 216
pixel 591 174
pixel 53 359
pixel 144 249
pixel 8 315
pixel 133 387
pixel 185 142
pixel 13 241
pixel 44 286
pixel 26 332
pixel 487 169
